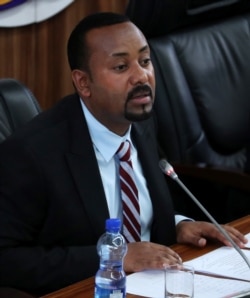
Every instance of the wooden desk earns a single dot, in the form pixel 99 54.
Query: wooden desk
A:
pixel 85 288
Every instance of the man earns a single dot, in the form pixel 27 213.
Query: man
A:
pixel 59 175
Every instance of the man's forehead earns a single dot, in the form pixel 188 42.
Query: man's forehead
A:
pixel 124 53
pixel 117 37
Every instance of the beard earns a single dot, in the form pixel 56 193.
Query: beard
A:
pixel 135 117
pixel 146 109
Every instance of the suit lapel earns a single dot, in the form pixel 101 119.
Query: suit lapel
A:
pixel 163 227
pixel 85 171
pixel 84 168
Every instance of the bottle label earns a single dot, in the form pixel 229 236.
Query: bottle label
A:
pixel 116 294
pixel 106 293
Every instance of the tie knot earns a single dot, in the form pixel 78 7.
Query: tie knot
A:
pixel 123 151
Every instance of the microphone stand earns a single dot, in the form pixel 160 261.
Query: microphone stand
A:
pixel 168 170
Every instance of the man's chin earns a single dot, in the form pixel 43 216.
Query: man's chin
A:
pixel 136 117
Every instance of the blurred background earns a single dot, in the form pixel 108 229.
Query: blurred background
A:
pixel 35 53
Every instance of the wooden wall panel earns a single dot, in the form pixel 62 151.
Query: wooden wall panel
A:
pixel 17 52
pixel 36 54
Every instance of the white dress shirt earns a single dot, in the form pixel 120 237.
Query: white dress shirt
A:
pixel 105 144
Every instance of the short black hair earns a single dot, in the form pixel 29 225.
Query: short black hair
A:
pixel 77 47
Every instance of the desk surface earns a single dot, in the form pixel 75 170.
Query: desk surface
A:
pixel 85 288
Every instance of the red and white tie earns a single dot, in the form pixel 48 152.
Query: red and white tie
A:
pixel 129 194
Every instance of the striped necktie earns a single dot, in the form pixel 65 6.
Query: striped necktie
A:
pixel 129 194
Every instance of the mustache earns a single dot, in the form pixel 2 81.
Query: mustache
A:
pixel 139 89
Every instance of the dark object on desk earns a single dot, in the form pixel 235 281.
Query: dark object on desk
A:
pixel 13 293
pixel 17 106
pixel 203 109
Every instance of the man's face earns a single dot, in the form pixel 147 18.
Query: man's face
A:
pixel 121 86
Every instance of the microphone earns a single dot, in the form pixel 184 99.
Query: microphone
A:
pixel 168 170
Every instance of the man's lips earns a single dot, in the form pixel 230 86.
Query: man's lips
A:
pixel 140 95
pixel 141 99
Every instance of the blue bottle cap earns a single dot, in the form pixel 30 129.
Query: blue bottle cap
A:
pixel 113 224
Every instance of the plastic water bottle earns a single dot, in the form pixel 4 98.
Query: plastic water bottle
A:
pixel 110 279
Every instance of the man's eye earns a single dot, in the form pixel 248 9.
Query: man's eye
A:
pixel 146 61
pixel 120 67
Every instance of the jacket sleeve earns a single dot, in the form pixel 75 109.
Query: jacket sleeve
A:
pixel 27 261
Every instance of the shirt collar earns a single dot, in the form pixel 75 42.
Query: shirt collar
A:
pixel 104 140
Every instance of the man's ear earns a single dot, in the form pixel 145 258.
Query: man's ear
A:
pixel 81 82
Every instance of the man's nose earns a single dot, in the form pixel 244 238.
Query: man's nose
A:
pixel 138 75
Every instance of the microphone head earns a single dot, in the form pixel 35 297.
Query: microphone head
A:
pixel 167 169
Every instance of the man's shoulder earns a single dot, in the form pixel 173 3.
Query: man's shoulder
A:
pixel 46 125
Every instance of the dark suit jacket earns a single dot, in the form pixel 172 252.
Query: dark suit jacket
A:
pixel 52 202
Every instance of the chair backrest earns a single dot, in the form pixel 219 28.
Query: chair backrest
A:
pixel 203 92
pixel 159 17
pixel 17 106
